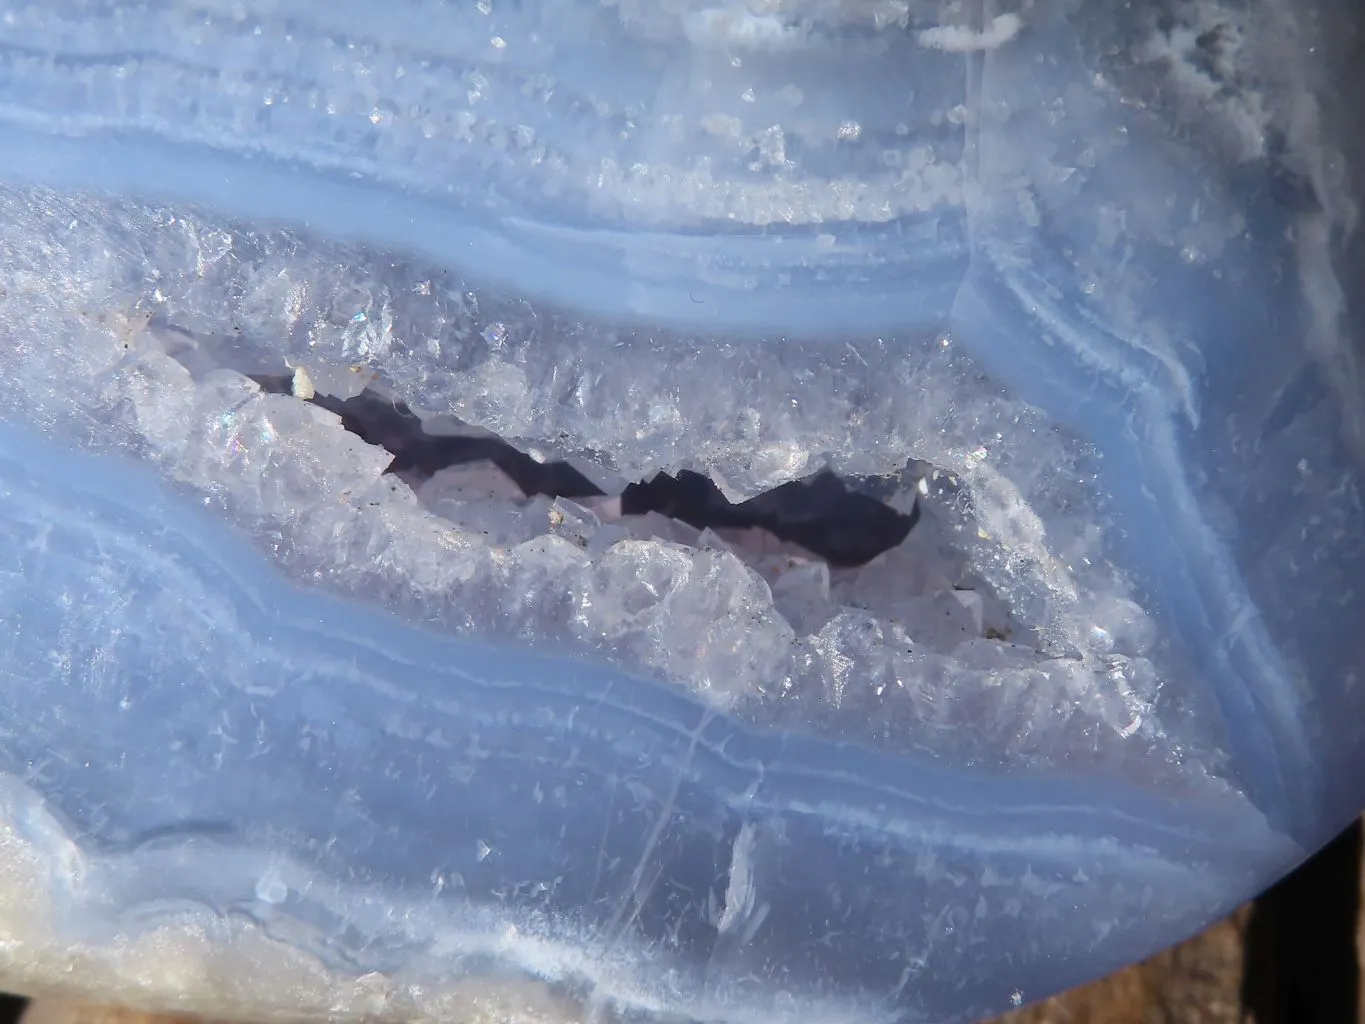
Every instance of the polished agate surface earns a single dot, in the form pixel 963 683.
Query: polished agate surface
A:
pixel 711 510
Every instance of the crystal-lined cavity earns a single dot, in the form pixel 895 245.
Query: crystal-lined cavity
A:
pixel 707 511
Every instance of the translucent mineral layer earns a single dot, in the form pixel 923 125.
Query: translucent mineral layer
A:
pixel 284 733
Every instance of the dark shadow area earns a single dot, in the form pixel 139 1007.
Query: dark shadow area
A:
pixel 830 516
pixel 11 1008
pixel 418 455
pixel 822 514
pixel 1300 961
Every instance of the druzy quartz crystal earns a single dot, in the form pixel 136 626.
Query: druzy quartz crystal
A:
pixel 710 510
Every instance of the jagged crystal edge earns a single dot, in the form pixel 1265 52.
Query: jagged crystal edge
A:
pixel 202 732
pixel 82 369
pixel 1042 546
pixel 1272 562
pixel 1023 125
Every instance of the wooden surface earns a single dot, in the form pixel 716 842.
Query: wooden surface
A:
pixel 1198 982
pixel 1292 957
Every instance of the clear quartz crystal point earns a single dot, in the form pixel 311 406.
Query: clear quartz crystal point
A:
pixel 286 734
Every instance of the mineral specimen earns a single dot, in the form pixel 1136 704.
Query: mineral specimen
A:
pixel 796 510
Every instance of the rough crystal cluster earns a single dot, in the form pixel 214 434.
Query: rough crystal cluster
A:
pixel 729 511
